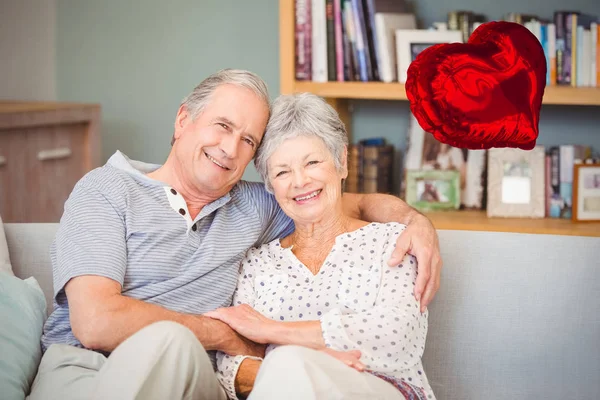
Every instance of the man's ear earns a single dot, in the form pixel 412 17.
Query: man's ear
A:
pixel 345 163
pixel 181 120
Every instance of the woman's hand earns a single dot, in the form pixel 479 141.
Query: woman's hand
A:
pixel 246 321
pixel 350 358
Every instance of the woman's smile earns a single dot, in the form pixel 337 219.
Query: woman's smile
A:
pixel 307 197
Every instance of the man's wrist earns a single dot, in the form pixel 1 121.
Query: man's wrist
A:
pixel 212 333
pixel 244 379
pixel 415 216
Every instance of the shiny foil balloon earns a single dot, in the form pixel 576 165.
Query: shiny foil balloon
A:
pixel 481 94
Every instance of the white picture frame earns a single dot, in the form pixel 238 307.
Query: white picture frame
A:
pixel 516 184
pixel 410 42
pixel 586 193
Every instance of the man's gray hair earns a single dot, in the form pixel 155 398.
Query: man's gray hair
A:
pixel 197 100
pixel 302 114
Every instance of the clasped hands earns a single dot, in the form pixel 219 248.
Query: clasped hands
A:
pixel 254 326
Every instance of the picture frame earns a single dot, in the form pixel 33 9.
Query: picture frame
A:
pixel 433 190
pixel 516 183
pixel 425 152
pixel 410 42
pixel 586 193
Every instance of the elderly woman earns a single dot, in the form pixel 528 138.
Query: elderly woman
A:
pixel 338 321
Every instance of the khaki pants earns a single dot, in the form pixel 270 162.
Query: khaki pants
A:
pixel 294 372
pixel 162 361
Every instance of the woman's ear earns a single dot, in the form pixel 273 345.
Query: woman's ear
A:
pixel 345 163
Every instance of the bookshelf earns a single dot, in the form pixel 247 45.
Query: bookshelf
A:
pixel 339 94
pixel 560 95
pixel 478 221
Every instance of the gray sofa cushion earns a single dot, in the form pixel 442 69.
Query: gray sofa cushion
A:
pixel 29 247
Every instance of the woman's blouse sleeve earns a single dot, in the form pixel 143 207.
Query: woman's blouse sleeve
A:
pixel 391 334
pixel 228 366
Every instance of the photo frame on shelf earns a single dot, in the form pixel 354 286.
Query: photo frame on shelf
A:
pixel 425 152
pixel 586 192
pixel 433 190
pixel 410 42
pixel 516 184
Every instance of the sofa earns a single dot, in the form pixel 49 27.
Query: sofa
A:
pixel 517 316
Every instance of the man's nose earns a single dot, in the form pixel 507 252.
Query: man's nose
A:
pixel 229 146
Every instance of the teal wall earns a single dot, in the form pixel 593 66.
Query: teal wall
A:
pixel 139 58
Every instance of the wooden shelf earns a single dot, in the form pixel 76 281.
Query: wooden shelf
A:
pixel 478 221
pixel 564 95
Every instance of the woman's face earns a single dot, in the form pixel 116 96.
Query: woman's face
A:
pixel 305 181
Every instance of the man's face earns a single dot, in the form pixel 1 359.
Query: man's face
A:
pixel 215 148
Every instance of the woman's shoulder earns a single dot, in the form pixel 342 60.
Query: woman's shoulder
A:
pixel 264 252
pixel 384 228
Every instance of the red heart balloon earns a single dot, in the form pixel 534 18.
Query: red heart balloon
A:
pixel 484 93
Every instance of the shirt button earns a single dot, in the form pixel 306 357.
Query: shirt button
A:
pixel 173 191
pixel 181 211
pixel 194 228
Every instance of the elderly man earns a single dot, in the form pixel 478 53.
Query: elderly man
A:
pixel 144 250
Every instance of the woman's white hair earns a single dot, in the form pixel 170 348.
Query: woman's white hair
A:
pixel 197 100
pixel 302 114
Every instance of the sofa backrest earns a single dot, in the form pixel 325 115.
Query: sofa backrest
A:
pixel 516 316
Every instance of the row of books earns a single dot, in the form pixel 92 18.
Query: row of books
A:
pixel 560 161
pixel 347 40
pixel 370 167
pixel 571 43
pixel 355 40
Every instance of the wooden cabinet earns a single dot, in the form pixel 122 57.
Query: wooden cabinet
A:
pixel 45 148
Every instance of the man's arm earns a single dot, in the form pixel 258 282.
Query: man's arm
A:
pixel 102 318
pixel 377 207
pixel 244 380
pixel 419 238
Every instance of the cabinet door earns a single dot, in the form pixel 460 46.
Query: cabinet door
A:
pixel 13 182
pixel 55 162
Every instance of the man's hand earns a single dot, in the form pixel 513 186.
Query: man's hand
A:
pixel 232 342
pixel 246 321
pixel 420 239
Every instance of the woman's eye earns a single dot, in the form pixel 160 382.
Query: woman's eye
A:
pixel 222 125
pixel 280 173
pixel 312 162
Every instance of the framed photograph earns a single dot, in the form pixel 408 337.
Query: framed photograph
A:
pixel 516 185
pixel 425 152
pixel 586 192
pixel 433 190
pixel 410 42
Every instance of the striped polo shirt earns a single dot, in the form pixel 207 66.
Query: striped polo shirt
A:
pixel 120 224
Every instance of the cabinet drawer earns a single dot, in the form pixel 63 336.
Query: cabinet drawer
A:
pixel 41 168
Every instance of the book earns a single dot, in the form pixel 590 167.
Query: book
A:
pixel 303 40
pixel 386 25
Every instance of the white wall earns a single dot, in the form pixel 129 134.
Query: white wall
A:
pixel 27 50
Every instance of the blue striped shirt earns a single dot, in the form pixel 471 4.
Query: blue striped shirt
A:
pixel 120 224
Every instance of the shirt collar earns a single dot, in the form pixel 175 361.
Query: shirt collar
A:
pixel 139 169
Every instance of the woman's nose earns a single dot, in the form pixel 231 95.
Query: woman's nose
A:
pixel 300 178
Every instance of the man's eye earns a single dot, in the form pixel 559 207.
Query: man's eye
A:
pixel 249 141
